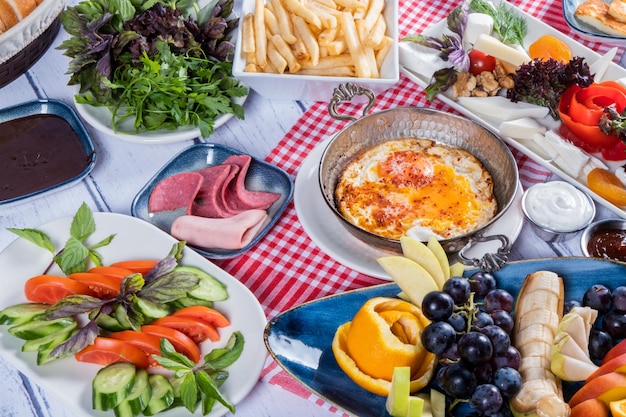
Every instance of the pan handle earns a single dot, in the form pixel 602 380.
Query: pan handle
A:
pixel 490 261
pixel 346 92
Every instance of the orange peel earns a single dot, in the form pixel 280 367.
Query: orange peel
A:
pixel 384 333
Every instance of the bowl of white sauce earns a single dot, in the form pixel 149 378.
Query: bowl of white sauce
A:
pixel 557 211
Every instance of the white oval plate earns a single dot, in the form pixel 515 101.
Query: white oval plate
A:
pixel 323 227
pixel 100 119
pixel 136 239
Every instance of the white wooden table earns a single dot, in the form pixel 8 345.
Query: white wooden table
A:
pixel 121 170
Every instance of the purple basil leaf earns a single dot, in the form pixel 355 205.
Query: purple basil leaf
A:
pixel 72 305
pixel 83 338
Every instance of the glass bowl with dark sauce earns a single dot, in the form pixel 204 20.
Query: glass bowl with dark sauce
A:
pixel 43 147
pixel 605 239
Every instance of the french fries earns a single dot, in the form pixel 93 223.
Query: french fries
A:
pixel 346 38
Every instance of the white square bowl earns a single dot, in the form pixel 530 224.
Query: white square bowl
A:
pixel 317 88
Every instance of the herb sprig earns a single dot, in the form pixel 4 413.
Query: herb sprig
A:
pixel 76 254
pixel 202 381
pixel 510 27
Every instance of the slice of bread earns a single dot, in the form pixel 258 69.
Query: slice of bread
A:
pixel 595 13
pixel 13 11
pixel 617 10
pixel 8 16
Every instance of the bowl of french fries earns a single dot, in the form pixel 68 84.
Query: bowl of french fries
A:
pixel 304 49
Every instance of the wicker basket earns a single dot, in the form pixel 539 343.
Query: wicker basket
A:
pixel 26 57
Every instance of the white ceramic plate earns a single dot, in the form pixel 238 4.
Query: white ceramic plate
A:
pixel 71 380
pixel 585 31
pixel 100 119
pixel 536 28
pixel 323 227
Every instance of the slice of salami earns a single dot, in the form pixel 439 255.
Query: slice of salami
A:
pixel 174 192
pixel 238 198
pixel 210 201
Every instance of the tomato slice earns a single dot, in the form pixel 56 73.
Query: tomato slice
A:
pixel 102 286
pixel 148 343
pixel 196 329
pixel 112 271
pixel 142 266
pixel 105 351
pixel 206 314
pixel 51 288
pixel 181 342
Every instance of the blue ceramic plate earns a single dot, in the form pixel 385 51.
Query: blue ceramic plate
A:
pixel 300 339
pixel 27 156
pixel 261 176
pixel 585 31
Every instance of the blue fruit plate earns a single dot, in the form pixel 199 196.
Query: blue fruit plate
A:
pixel 300 339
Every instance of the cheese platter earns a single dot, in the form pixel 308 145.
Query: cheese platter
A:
pixel 524 126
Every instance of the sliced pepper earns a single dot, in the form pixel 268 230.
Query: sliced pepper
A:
pixel 573 112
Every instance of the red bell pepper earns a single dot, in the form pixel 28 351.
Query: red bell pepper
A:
pixel 580 109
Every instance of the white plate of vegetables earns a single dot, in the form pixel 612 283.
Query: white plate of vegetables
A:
pixel 528 124
pixel 147 72
pixel 169 289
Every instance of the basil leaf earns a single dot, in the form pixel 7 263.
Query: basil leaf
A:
pixel 83 338
pixel 169 287
pixel 221 358
pixel 73 256
pixel 189 392
pixel 210 389
pixel 34 236
pixel 72 305
pixel 83 224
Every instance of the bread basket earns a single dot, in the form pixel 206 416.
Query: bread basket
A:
pixel 23 44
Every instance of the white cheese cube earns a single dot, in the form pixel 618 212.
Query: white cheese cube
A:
pixel 523 128
pixel 497 49
pixel 477 24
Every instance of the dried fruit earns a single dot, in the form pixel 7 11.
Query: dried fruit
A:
pixel 607 185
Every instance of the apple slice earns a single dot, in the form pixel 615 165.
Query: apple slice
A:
pixel 457 269
pixel 420 253
pixel 412 279
pixel 434 245
pixel 571 369
pixel 438 403
pixel 397 403
pixel 565 343
pixel 416 407
pixel 574 324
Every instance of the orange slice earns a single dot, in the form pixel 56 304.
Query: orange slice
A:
pixel 618 408
pixel 548 46
pixel 384 334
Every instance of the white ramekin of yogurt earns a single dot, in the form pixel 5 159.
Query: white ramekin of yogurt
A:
pixel 557 210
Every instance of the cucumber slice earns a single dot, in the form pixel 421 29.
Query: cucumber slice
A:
pixel 21 313
pixel 50 341
pixel 162 395
pixel 209 288
pixel 112 384
pixel 152 310
pixel 35 329
pixel 108 322
pixel 189 302
pixel 138 397
pixel 43 355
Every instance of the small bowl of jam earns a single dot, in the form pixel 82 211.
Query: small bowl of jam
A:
pixel 605 239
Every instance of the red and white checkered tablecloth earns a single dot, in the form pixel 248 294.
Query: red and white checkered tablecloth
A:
pixel 286 268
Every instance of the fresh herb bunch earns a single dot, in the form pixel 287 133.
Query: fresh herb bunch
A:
pixel 113 39
pixel 201 382
pixel 510 27
pixel 543 82
pixel 76 254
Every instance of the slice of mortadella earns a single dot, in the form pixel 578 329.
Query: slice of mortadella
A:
pixel 174 192
pixel 210 201
pixel 238 198
pixel 227 233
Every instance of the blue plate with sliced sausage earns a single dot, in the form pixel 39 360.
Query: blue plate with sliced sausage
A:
pixel 219 200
